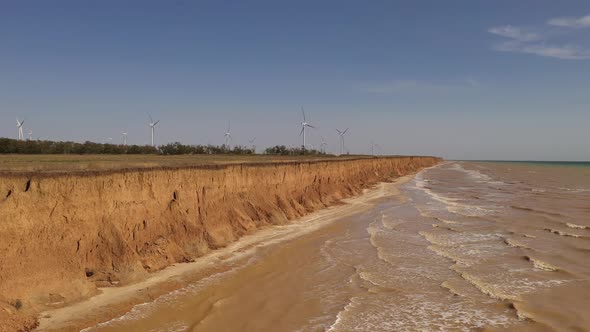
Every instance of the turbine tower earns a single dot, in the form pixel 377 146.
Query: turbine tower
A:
pixel 323 145
pixel 19 126
pixel 152 127
pixel 227 135
pixel 251 141
pixel 342 133
pixel 303 125
pixel 125 138
pixel 30 135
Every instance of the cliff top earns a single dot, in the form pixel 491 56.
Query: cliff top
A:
pixel 53 164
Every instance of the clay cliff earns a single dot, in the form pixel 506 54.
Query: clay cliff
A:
pixel 64 235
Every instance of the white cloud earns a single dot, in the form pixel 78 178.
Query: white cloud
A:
pixel 529 42
pixel 570 22
pixel 516 33
pixel 565 52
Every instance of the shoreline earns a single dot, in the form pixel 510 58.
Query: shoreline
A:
pixel 113 302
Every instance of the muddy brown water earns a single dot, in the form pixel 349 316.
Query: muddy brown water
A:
pixel 467 246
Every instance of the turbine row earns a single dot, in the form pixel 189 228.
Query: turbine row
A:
pixel 227 134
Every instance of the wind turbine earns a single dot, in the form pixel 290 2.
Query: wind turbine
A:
pixel 125 138
pixel 323 145
pixel 227 135
pixel 153 127
pixel 19 125
pixel 303 125
pixel 342 133
pixel 251 141
pixel 30 135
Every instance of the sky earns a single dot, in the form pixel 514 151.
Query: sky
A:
pixel 467 79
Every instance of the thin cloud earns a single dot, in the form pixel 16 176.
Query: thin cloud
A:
pixel 570 22
pixel 511 32
pixel 528 42
pixel 566 52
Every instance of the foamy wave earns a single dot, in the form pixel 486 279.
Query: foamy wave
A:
pixel 469 210
pixel 453 205
pixel 508 289
pixel 562 233
pixel 416 312
pixel 473 173
pixel 456 258
pixel 570 225
pixel 450 222
pixel 528 209
pixel 541 265
pixel 515 244
pixel 446 285
pixel 455 239
pixel 575 190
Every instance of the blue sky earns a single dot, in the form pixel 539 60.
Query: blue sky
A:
pixel 459 79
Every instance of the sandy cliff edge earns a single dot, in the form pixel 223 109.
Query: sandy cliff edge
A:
pixel 63 236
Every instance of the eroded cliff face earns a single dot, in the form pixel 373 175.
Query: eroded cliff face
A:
pixel 64 235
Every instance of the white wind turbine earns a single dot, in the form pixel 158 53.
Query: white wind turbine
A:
pixel 251 141
pixel 323 145
pixel 303 125
pixel 152 127
pixel 342 133
pixel 30 135
pixel 19 125
pixel 227 135
pixel 125 138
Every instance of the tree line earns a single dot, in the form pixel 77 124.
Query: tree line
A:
pixel 285 151
pixel 13 146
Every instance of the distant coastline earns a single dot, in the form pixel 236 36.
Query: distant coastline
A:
pixel 536 162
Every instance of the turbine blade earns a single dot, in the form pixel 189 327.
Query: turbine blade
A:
pixel 156 123
pixel 310 125
pixel 345 131
pixel 303 112
pixel 151 120
pixel 339 132
pixel 302 129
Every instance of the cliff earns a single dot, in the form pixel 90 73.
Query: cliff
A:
pixel 64 235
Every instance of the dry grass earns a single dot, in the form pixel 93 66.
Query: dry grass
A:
pixel 77 163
